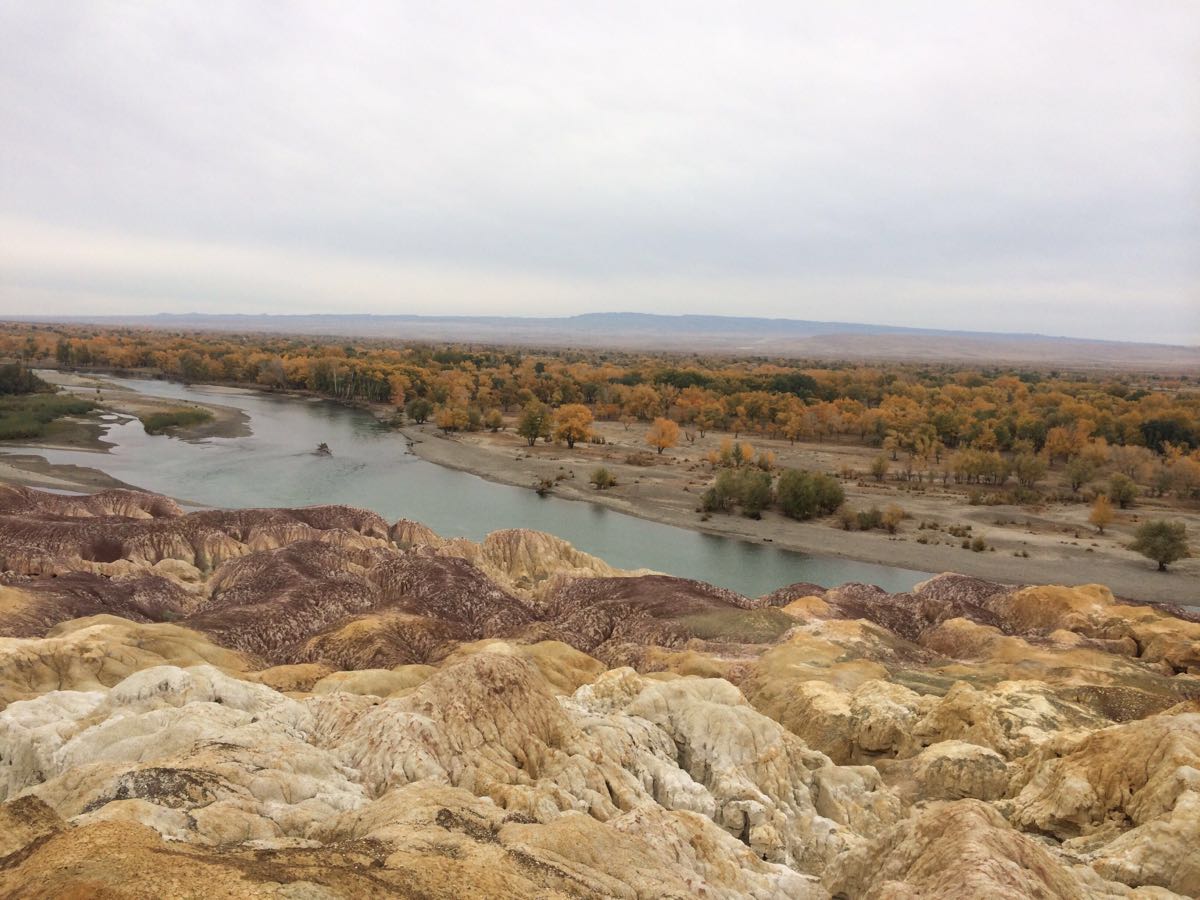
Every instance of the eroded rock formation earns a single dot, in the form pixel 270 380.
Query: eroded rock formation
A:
pixel 313 703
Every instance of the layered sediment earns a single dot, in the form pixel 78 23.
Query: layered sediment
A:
pixel 319 703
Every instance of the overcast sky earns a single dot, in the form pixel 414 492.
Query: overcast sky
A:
pixel 988 165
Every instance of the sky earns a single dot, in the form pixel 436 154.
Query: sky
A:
pixel 969 164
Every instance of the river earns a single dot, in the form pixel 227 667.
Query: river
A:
pixel 372 467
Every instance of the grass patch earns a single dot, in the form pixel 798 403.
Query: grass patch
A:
pixel 157 423
pixel 25 416
pixel 740 626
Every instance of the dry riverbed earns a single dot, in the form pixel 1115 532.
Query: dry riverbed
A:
pixel 1062 547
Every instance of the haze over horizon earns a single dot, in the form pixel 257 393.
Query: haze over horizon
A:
pixel 1002 167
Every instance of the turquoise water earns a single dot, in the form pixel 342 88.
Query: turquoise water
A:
pixel 373 468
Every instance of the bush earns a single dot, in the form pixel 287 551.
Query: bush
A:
pixel 748 488
pixel 722 496
pixel 978 545
pixel 869 518
pixel 803 495
pixel 1022 496
pixel 754 492
pixel 892 517
pixel 603 479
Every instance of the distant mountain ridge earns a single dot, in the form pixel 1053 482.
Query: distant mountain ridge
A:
pixel 740 335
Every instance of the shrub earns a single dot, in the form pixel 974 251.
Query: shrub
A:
pixel 803 495
pixel 748 488
pixel 892 517
pixel 869 518
pixel 722 496
pixel 754 492
pixel 1022 496
pixel 978 545
pixel 603 479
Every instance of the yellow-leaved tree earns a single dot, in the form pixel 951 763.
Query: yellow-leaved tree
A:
pixel 572 422
pixel 1102 512
pixel 663 433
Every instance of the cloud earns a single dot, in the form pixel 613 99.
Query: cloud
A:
pixel 1011 166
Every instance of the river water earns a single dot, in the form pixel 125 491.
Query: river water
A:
pixel 372 467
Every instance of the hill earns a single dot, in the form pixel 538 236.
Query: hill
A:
pixel 317 703
pixel 718 334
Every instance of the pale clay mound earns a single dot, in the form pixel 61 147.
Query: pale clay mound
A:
pixel 317 704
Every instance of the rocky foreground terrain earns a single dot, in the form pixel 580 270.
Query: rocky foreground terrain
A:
pixel 316 703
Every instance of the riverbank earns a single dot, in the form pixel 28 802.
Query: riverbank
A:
pixel 224 421
pixel 31 470
pixel 1025 545
pixel 20 463
pixel 1061 547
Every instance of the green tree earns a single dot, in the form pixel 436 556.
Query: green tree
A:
pixel 1162 541
pixel 1029 469
pixel 1122 490
pixel 534 422
pixel 1079 471
pixel 418 409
